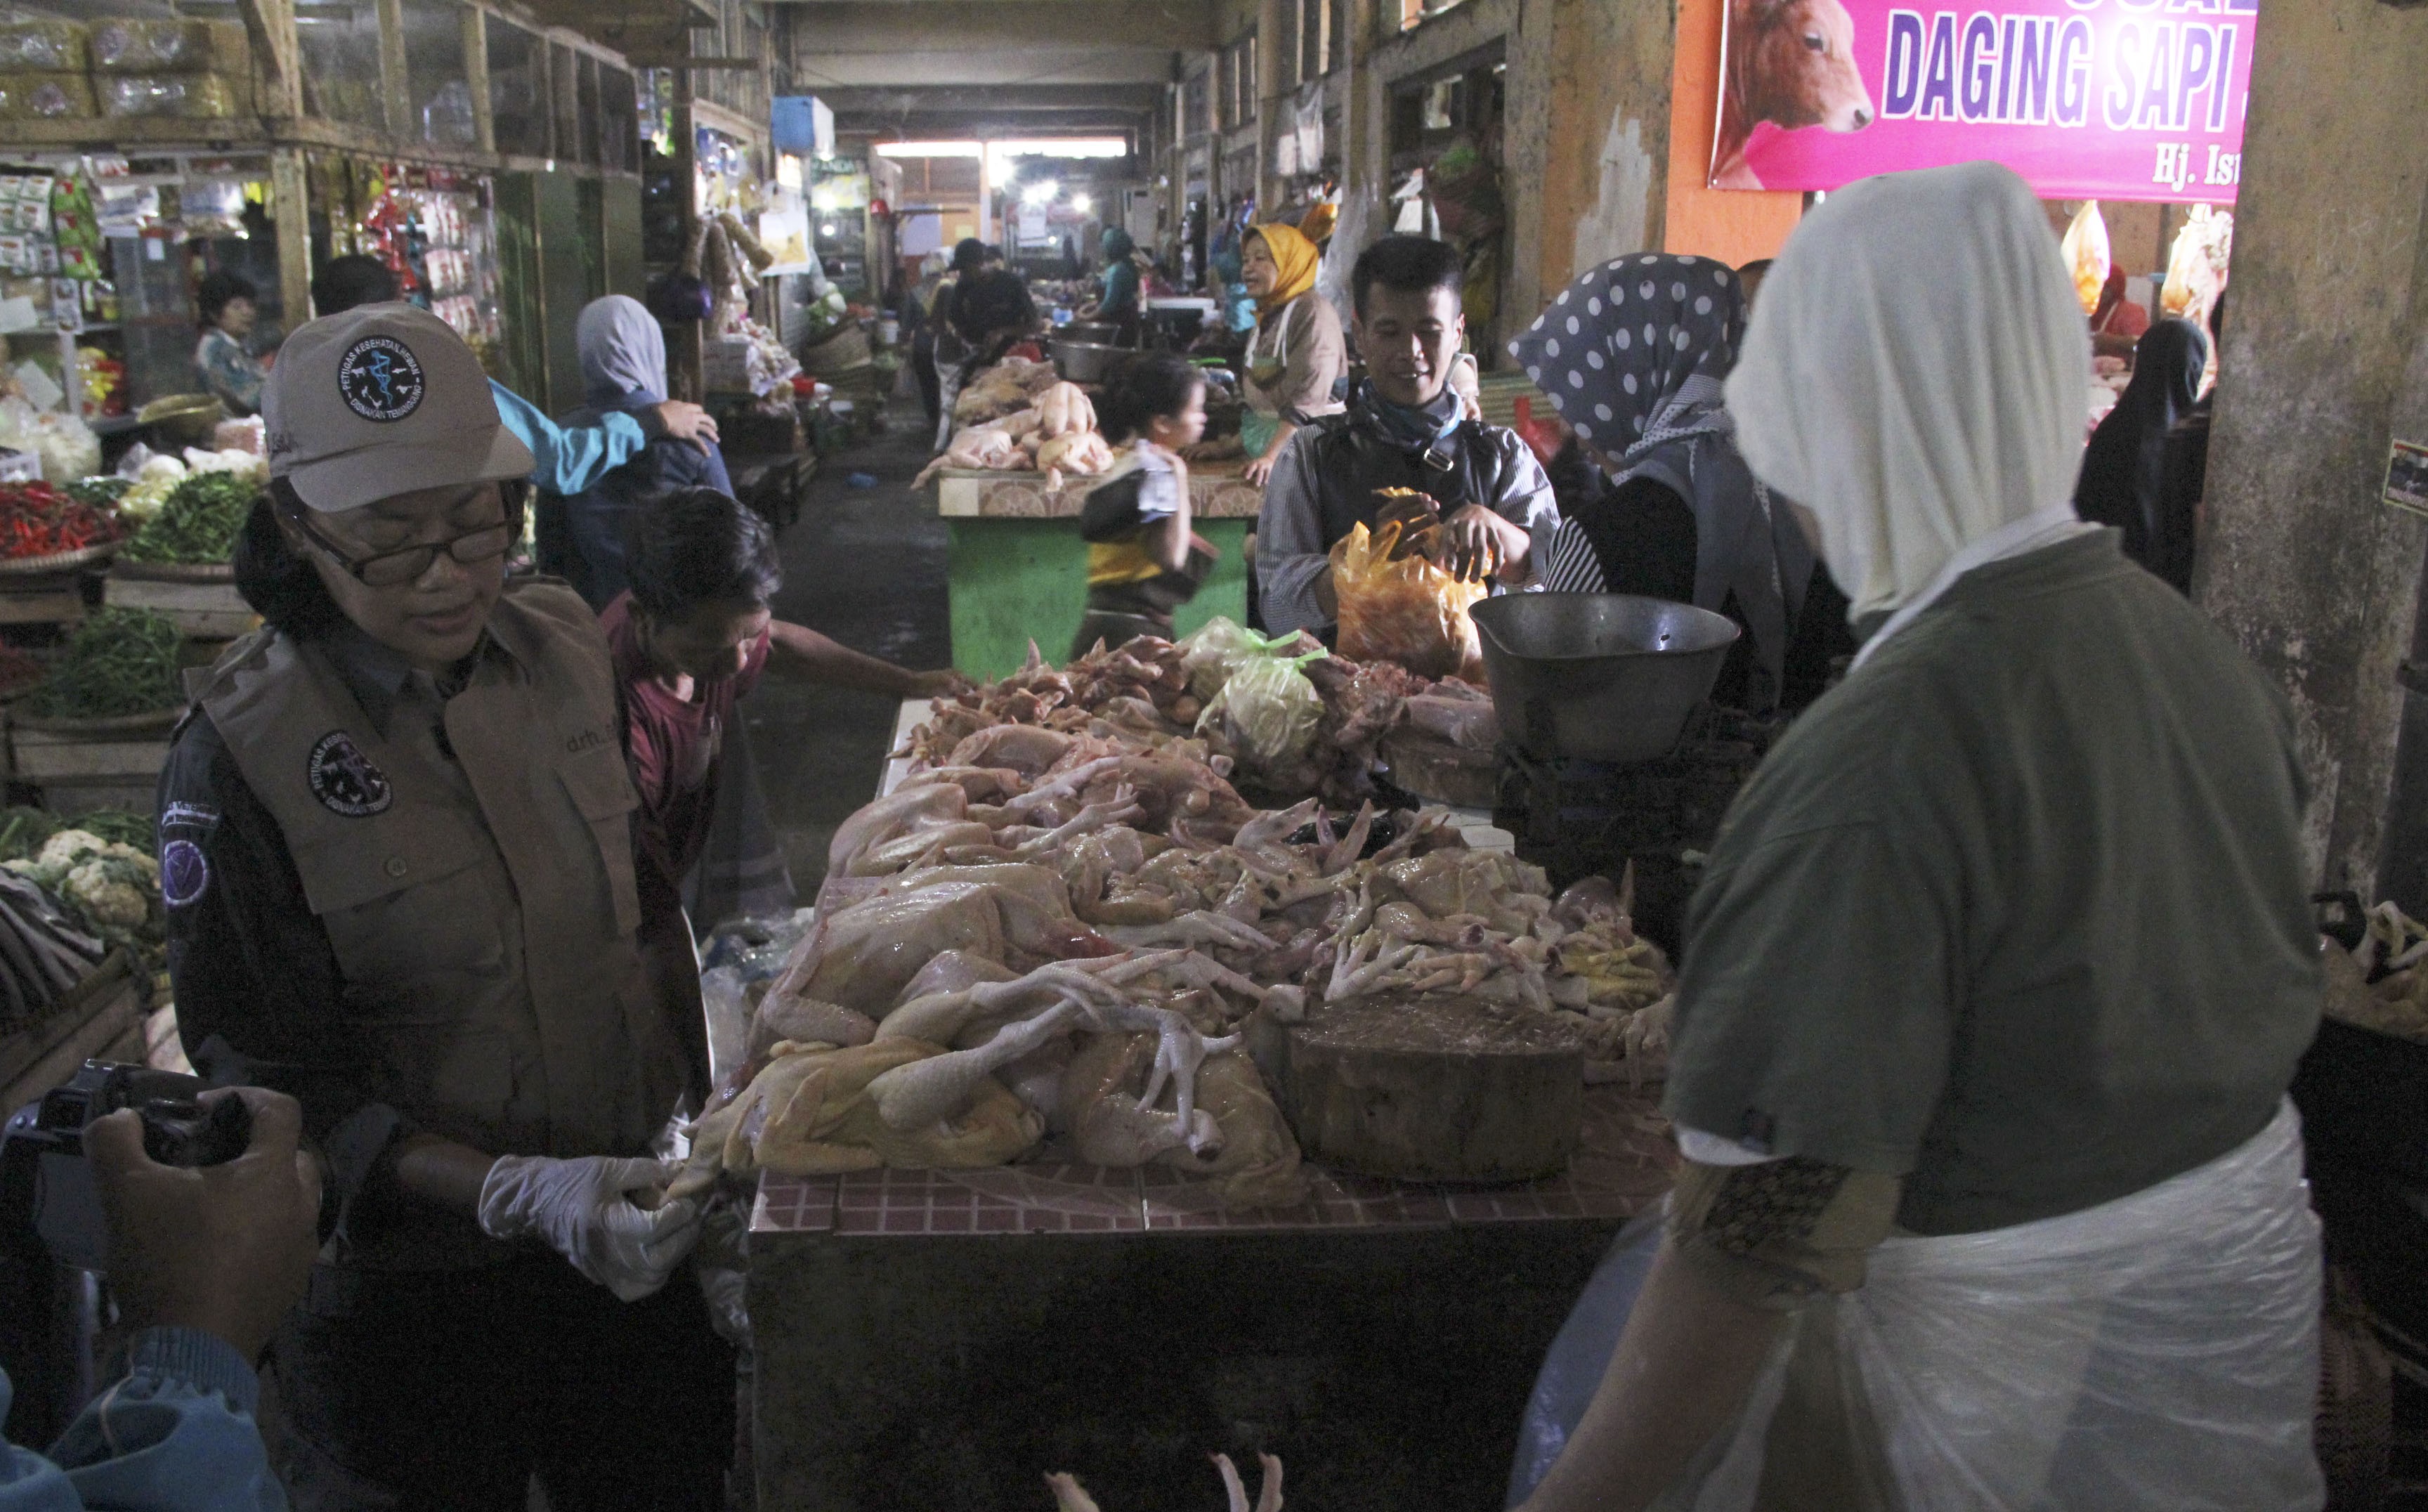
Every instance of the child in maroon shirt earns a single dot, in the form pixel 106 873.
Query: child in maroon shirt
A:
pixel 692 636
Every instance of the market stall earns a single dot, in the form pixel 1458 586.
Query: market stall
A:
pixel 1017 1092
pixel 1019 571
pixel 1011 487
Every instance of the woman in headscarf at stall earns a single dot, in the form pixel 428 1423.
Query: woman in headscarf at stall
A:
pixel 580 539
pixel 2124 471
pixel 1999 969
pixel 1633 355
pixel 1118 302
pixel 1296 356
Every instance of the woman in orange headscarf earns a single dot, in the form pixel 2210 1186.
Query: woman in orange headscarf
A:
pixel 1296 356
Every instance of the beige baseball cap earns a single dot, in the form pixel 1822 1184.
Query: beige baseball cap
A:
pixel 379 401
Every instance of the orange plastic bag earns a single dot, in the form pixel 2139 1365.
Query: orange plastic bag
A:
pixel 1409 611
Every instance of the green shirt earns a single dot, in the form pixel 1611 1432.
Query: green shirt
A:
pixel 2018 912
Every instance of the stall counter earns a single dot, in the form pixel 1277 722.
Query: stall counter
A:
pixel 1019 571
pixel 927 1339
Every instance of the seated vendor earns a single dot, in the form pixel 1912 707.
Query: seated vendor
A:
pixel 1406 428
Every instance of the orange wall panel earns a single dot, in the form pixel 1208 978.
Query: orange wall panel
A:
pixel 1735 225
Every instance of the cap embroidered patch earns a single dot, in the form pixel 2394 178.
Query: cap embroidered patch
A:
pixel 344 779
pixel 185 874
pixel 380 379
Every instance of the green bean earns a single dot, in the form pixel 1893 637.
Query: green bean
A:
pixel 119 662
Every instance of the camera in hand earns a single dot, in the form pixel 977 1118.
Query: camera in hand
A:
pixel 47 1186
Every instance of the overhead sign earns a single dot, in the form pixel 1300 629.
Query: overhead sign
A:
pixel 2086 99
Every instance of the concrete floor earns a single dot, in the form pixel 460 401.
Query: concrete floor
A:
pixel 865 565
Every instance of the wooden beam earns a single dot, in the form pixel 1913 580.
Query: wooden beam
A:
pixel 270 27
pixel 394 91
pixel 290 209
pixel 476 73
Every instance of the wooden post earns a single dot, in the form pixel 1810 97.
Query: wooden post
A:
pixel 290 209
pixel 394 91
pixel 683 340
pixel 476 72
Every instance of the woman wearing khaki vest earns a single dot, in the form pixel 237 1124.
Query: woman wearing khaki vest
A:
pixel 396 834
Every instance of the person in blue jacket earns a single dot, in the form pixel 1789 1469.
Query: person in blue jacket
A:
pixel 623 370
pixel 204 1263
pixel 566 459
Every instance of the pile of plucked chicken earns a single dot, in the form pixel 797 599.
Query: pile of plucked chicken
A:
pixel 1019 417
pixel 1047 940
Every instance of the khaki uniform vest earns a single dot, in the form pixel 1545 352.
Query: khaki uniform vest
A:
pixel 484 919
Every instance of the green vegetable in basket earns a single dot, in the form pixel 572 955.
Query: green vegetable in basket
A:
pixel 119 662
pixel 100 492
pixel 199 522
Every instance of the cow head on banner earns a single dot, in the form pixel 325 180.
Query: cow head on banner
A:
pixel 1790 62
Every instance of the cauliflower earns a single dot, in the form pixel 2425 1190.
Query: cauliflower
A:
pixel 112 892
pixel 110 883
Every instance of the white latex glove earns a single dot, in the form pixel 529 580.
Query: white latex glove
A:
pixel 582 1209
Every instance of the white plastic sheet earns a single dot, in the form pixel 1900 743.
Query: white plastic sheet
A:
pixel 2160 1350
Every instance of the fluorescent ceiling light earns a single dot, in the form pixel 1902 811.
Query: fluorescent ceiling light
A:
pixel 931 149
pixel 1062 147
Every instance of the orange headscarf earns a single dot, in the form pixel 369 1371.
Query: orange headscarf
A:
pixel 1296 259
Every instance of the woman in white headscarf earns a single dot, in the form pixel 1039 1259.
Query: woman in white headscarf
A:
pixel 1999 969
pixel 623 355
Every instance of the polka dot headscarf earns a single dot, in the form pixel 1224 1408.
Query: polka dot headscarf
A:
pixel 1618 350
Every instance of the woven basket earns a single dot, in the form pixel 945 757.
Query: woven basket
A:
pixel 175 571
pixel 56 560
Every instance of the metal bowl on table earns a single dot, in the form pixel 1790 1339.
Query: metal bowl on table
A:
pixel 1608 677
pixel 1097 332
pixel 1087 362
pixel 181 420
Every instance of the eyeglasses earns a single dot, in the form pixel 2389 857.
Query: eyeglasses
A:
pixel 394 569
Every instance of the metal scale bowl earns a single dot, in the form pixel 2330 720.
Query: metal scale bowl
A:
pixel 1610 752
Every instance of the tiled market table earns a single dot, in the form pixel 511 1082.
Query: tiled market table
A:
pixel 937 1339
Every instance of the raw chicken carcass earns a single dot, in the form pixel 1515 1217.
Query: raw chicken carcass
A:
pixel 861 956
pixel 834 1120
pixel 1024 748
pixel 1257 1162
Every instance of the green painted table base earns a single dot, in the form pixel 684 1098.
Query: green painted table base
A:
pixel 1017 580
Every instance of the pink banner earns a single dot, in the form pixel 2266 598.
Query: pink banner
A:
pixel 2087 99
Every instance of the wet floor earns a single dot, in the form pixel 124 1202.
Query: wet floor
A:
pixel 866 566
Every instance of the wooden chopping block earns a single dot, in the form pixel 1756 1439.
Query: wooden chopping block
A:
pixel 1430 1089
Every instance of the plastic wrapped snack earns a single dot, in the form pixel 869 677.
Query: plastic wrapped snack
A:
pixel 1408 611
pixel 181 96
pixel 130 46
pixel 42 46
pixel 30 96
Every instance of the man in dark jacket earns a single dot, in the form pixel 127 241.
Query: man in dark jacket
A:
pixel 1404 429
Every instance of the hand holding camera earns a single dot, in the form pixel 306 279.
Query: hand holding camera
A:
pixel 222 1247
